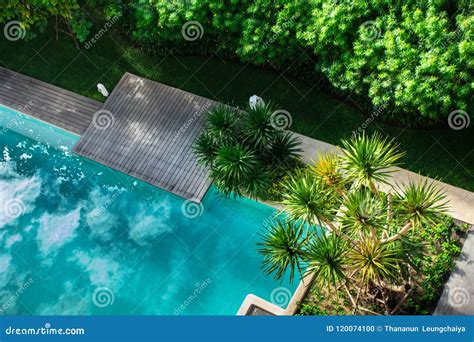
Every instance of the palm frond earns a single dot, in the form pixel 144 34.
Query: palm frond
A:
pixel 282 247
pixel 258 129
pixel 368 159
pixel 306 198
pixel 284 148
pixel 222 125
pixel 421 202
pixel 362 212
pixel 373 261
pixel 328 168
pixel 326 258
pixel 205 149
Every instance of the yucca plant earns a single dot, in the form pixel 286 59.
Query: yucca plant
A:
pixel 326 257
pixel 368 159
pixel 328 168
pixel 362 212
pixel 283 247
pixel 205 149
pixel 222 125
pixel 368 248
pixel 258 126
pixel 306 198
pixel 374 261
pixel 418 203
pixel 284 148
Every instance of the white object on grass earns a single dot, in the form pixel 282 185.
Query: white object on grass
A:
pixel 101 88
pixel 255 100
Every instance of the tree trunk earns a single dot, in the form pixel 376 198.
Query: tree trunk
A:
pixel 398 235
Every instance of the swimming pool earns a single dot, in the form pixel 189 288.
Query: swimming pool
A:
pixel 79 238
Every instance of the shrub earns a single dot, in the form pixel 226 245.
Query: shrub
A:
pixel 413 59
pixel 245 152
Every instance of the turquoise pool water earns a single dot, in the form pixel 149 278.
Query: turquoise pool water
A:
pixel 78 238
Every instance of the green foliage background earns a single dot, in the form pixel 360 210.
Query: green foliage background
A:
pixel 414 58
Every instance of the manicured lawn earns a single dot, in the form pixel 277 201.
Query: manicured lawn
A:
pixel 446 154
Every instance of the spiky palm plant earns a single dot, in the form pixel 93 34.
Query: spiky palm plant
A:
pixel 284 148
pixel 326 257
pixel 362 212
pixel 258 129
pixel 232 166
pixel 328 168
pixel 306 197
pixel 257 183
pixel 282 247
pixel 374 261
pixel 368 159
pixel 222 125
pixel 205 149
pixel 417 204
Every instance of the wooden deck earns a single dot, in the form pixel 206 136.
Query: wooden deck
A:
pixel 147 132
pixel 43 101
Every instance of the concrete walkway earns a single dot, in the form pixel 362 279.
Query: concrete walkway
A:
pixel 458 294
pixel 461 202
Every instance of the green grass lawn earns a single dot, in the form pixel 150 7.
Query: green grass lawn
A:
pixel 446 154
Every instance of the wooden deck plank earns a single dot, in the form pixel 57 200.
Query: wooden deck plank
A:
pixel 46 102
pixel 151 139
